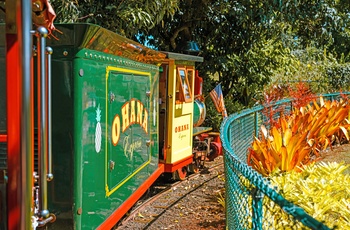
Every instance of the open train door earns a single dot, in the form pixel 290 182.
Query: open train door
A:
pixel 17 118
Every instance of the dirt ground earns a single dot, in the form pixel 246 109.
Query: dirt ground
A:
pixel 340 153
pixel 196 205
pixel 196 211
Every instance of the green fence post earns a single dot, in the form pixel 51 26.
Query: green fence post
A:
pixel 256 123
pixel 257 205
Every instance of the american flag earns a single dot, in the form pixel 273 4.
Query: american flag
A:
pixel 218 99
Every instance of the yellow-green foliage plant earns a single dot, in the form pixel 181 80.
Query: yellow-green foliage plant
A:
pixel 221 194
pixel 297 139
pixel 321 189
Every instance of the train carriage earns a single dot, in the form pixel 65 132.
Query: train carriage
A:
pixel 105 106
pixel 89 121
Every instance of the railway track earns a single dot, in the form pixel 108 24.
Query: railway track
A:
pixel 164 197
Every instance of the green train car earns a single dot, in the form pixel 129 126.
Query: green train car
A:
pixel 105 127
pixel 105 117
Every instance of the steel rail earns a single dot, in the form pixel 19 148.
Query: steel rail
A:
pixel 131 216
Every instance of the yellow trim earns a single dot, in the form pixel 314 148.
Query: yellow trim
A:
pixel 115 188
pixel 171 94
pixel 108 193
pixel 112 68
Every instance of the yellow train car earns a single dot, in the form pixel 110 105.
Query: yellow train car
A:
pixel 183 147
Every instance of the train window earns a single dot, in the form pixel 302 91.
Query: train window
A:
pixel 183 86
pixel 190 76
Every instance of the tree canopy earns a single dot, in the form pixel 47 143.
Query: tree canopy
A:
pixel 244 43
pixel 122 16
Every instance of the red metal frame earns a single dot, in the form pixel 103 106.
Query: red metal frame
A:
pixel 13 85
pixel 120 212
pixel 3 137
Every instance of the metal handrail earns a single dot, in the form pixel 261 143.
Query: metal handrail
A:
pixel 42 33
pixel 49 52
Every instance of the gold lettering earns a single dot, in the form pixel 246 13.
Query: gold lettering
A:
pixel 181 136
pixel 115 130
pixel 181 128
pixel 128 117
pixel 132 112
pixel 139 112
pixel 145 122
pixel 125 116
pixel 129 148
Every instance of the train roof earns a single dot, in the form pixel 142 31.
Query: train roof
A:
pixel 94 37
pixel 182 57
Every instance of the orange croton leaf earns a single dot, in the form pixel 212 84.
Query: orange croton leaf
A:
pixel 284 158
pixel 302 157
pixel 345 131
pixel 277 136
pixel 295 138
pixel 287 136
pixel 264 131
pixel 321 101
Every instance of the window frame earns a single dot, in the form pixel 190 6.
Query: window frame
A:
pixel 182 82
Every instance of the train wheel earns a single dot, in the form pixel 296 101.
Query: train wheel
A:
pixel 214 152
pixel 193 168
pixel 180 174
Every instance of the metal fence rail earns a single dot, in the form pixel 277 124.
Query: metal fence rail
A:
pixel 251 202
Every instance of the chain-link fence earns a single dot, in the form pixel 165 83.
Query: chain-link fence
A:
pixel 251 202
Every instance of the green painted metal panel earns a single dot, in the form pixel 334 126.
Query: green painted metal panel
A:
pixel 128 110
pixel 60 197
pixel 114 119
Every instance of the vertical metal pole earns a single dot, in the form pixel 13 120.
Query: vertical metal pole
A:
pixel 26 114
pixel 19 115
pixel 257 206
pixel 256 124
pixel 49 52
pixel 42 154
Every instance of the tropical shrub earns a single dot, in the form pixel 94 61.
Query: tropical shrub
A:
pixel 310 66
pixel 296 139
pixel 321 189
pixel 300 92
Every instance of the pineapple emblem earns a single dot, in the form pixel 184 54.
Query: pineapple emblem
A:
pixel 98 131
